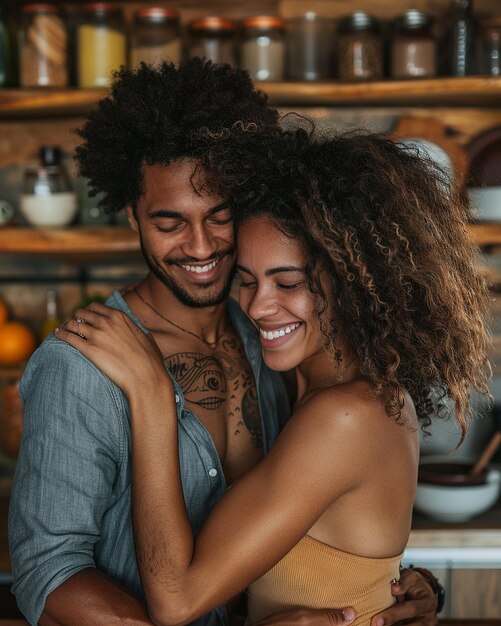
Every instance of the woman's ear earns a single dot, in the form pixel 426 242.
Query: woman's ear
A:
pixel 132 219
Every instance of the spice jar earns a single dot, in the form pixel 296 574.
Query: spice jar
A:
pixel 360 47
pixel 44 47
pixel 490 36
pixel 309 47
pixel 156 36
pixel 414 49
pixel 4 51
pixel 263 47
pixel 101 44
pixel 212 37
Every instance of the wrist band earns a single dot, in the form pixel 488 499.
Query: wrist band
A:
pixel 435 585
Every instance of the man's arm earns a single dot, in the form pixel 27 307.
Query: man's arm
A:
pixel 91 597
pixel 418 605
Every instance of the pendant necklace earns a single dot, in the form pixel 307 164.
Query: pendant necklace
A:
pixel 211 344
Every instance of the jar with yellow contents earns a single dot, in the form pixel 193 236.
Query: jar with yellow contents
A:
pixel 101 44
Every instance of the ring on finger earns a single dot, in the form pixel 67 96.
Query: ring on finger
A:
pixel 78 321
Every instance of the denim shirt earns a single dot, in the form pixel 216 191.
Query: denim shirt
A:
pixel 70 507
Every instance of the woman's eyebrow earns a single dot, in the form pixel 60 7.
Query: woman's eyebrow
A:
pixel 274 270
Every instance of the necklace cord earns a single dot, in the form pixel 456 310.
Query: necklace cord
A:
pixel 211 344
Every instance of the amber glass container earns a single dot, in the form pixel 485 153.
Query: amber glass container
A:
pixel 360 48
pixel 414 48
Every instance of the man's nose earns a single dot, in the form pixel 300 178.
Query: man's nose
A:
pixel 200 243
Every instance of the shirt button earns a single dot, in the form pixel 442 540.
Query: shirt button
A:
pixel 212 472
pixel 177 399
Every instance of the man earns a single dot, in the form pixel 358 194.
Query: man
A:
pixel 70 527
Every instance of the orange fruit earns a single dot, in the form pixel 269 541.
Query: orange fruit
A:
pixel 17 342
pixel 4 314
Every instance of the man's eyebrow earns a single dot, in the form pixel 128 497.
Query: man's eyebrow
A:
pixel 274 270
pixel 178 215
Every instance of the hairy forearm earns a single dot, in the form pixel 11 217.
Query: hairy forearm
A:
pixel 162 530
pixel 92 597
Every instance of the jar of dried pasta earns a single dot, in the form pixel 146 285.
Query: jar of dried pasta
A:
pixel 101 44
pixel 156 36
pixel 43 47
pixel 360 48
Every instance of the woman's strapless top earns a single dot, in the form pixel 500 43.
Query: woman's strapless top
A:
pixel 316 575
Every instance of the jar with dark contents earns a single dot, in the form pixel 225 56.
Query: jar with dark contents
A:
pixel 309 47
pixel 490 36
pixel 213 38
pixel 156 36
pixel 360 48
pixel 414 47
pixel 262 50
pixel 44 47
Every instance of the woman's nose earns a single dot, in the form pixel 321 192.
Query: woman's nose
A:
pixel 262 304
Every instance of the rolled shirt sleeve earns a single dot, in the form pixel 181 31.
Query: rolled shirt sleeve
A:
pixel 70 451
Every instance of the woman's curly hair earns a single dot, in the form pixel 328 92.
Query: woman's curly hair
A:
pixel 155 115
pixel 390 229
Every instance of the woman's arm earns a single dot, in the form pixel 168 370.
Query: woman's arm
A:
pixel 260 518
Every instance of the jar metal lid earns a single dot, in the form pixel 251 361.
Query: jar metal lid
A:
pixel 358 21
pixel 102 8
pixel 309 16
pixel 263 22
pixel 156 15
pixel 211 23
pixel 413 19
pixel 41 8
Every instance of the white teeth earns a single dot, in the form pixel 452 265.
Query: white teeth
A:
pixel 199 269
pixel 275 334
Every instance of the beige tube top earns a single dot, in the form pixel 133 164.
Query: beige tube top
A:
pixel 316 575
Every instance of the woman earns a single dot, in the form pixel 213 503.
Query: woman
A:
pixel 357 272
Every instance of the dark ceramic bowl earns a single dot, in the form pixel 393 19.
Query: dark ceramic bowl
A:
pixel 450 474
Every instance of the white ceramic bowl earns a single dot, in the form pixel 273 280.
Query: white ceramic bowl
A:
pixel 52 211
pixel 457 503
pixel 486 203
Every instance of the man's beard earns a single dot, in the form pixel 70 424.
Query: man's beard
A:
pixel 180 292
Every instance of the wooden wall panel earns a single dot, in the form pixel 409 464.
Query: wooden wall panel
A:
pixel 476 593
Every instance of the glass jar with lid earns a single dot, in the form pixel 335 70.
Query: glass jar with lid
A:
pixel 414 47
pixel 490 36
pixel 155 36
pixel 212 37
pixel 101 44
pixel 360 48
pixel 43 47
pixel 309 47
pixel 262 51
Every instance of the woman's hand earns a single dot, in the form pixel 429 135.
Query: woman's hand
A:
pixel 119 348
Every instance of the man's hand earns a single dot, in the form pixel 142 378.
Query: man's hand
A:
pixel 417 604
pixel 310 617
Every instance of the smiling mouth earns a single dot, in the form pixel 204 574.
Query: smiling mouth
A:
pixel 279 332
pixel 200 269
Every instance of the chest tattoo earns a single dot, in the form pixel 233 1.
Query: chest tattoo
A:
pixel 223 378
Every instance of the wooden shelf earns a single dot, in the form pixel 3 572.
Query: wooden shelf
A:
pixel 455 92
pixel 75 244
pixel 111 242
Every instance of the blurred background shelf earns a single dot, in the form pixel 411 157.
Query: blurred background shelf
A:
pixel 457 92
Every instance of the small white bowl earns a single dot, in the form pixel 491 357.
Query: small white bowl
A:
pixel 457 503
pixel 50 211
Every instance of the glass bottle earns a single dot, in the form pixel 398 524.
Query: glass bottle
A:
pixel 360 48
pixel 414 48
pixel 309 45
pixel 48 198
pixel 212 37
pixel 52 319
pixel 263 47
pixel 4 51
pixel 463 38
pixel 156 36
pixel 101 44
pixel 44 47
pixel 490 35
